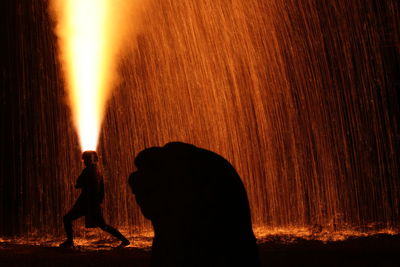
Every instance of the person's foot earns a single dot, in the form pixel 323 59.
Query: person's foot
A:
pixel 67 244
pixel 124 243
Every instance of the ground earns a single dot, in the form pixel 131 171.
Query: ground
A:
pixel 377 250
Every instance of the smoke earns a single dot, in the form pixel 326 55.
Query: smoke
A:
pixel 92 36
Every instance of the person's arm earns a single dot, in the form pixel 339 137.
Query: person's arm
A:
pixel 80 181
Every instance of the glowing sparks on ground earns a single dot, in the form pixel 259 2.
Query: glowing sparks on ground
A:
pixel 90 34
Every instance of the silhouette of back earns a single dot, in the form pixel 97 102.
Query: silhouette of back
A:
pixel 198 207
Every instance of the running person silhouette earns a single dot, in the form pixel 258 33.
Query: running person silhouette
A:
pixel 90 181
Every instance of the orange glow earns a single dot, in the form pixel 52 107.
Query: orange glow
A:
pixel 90 34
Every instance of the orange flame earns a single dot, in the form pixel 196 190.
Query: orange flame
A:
pixel 90 34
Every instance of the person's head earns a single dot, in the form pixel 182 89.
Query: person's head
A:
pixel 90 157
pixel 149 158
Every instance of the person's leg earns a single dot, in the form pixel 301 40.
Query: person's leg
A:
pixel 97 216
pixel 72 215
pixel 114 232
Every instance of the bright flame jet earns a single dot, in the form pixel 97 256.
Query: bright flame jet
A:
pixel 90 35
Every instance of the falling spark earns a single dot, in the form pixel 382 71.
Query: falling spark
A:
pixel 90 36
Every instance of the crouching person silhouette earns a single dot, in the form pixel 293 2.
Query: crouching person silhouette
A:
pixel 90 181
pixel 198 207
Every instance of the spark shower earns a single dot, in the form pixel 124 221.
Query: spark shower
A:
pixel 300 96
